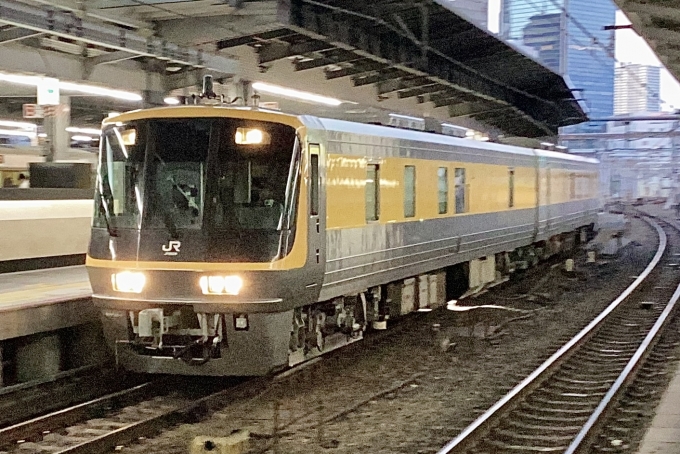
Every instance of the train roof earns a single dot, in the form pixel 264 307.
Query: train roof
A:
pixel 407 134
pixel 334 125
pixel 206 111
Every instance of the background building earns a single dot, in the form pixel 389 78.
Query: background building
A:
pixel 636 89
pixel 476 11
pixel 543 35
pixel 568 36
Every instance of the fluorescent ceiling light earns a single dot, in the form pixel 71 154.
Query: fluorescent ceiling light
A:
pixel 20 79
pixel 295 94
pixel 82 138
pixel 172 101
pixel 96 132
pixel 14 132
pixel 70 86
pixel 100 91
pixel 18 124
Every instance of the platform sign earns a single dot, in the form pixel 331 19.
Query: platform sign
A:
pixel 33 111
pixel 48 91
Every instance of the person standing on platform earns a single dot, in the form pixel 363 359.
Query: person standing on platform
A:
pixel 23 182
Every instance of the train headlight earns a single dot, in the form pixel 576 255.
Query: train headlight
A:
pixel 221 285
pixel 128 281
pixel 251 136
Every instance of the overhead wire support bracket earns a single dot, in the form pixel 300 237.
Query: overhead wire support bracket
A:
pixel 65 24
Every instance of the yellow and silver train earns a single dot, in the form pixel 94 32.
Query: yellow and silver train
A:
pixel 237 241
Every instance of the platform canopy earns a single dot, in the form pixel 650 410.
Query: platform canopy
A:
pixel 415 56
pixel 658 21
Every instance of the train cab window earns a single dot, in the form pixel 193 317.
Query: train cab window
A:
pixel 511 176
pixel 443 189
pixel 120 176
pixel 461 205
pixel 372 192
pixel 409 191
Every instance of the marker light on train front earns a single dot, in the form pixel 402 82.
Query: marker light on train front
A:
pixel 128 281
pixel 221 285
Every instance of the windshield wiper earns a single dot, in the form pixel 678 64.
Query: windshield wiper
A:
pixel 104 211
pixel 170 225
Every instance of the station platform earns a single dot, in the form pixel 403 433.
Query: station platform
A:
pixel 663 436
pixel 45 300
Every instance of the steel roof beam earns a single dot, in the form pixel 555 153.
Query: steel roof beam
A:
pixel 426 89
pixel 67 25
pixel 467 109
pixel 76 7
pixel 16 34
pixel 318 18
pixel 393 85
pixel 378 76
pixel 129 75
pixel 354 70
pixel 304 65
pixel 276 50
pixel 262 37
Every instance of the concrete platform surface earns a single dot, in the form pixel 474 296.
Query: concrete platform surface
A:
pixel 44 300
pixel 663 436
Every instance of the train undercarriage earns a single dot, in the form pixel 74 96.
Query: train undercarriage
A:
pixel 178 332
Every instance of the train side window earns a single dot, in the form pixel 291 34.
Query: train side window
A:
pixel 443 189
pixel 409 191
pixel 511 199
pixel 460 190
pixel 314 177
pixel 372 192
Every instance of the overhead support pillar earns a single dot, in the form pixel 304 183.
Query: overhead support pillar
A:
pixel 245 91
pixel 57 119
pixel 62 120
pixel 152 98
pixel 154 91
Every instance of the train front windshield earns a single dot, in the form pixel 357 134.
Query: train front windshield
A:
pixel 231 182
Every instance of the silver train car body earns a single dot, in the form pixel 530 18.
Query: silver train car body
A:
pixel 374 222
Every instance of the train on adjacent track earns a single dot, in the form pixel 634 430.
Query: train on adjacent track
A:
pixel 239 241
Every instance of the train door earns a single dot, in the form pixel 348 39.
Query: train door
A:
pixel 316 216
pixel 548 196
pixel 544 188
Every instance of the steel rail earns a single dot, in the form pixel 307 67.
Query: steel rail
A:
pixel 580 442
pixel 51 379
pixel 70 415
pixel 486 420
pixel 641 353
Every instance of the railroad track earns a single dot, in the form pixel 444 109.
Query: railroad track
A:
pixel 119 418
pixel 26 400
pixel 563 403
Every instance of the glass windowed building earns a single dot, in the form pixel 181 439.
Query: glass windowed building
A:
pixel 568 36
